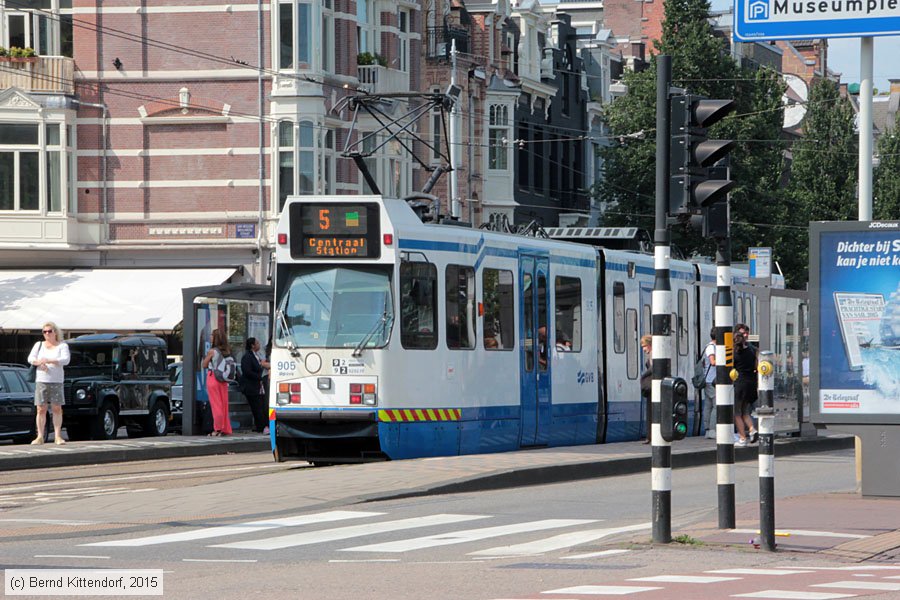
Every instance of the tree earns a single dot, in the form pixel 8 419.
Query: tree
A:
pixel 886 188
pixel 701 64
pixel 823 174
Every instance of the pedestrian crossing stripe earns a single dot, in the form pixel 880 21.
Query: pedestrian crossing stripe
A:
pixel 419 414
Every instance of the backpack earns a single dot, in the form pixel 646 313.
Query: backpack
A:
pixel 225 369
pixel 699 378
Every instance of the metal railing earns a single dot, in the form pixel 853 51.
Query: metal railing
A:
pixel 439 41
pixel 381 80
pixel 54 74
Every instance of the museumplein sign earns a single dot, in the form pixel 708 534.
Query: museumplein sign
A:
pixel 756 20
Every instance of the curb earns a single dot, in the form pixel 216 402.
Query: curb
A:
pixel 126 454
pixel 612 467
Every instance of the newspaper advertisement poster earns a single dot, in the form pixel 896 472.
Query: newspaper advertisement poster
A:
pixel 859 321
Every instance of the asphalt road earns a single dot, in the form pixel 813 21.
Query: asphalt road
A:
pixel 512 543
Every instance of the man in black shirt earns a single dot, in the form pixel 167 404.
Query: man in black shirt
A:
pixel 744 390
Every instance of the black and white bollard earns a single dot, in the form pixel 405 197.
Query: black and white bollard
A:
pixel 724 317
pixel 766 414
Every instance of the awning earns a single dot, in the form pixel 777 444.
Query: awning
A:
pixel 99 299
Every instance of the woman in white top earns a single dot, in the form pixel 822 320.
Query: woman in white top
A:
pixel 49 356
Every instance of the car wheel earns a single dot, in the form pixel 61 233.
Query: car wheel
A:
pixel 106 423
pixel 157 423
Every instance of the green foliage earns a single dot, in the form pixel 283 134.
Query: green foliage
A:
pixel 686 539
pixel 16 52
pixel 823 176
pixel 886 186
pixel 702 65
pixel 367 58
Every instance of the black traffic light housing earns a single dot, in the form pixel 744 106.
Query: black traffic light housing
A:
pixel 673 409
pixel 691 154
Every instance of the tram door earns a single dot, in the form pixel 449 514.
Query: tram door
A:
pixel 536 348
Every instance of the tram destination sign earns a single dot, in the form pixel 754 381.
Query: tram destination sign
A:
pixel 335 230
pixel 756 20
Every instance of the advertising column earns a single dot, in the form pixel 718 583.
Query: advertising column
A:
pixel 855 341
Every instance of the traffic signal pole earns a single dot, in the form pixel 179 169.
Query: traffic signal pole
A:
pixel 724 385
pixel 661 328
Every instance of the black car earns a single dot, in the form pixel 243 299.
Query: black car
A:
pixel 114 379
pixel 16 405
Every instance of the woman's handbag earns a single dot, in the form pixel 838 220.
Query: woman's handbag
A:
pixel 32 370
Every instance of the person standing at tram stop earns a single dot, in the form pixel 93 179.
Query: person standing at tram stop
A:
pixel 709 390
pixel 744 390
pixel 252 383
pixel 217 390
pixel 49 356
pixel 647 383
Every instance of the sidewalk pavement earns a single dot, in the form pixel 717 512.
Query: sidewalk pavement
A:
pixel 842 525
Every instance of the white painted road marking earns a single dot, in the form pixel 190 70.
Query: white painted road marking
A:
pixel 566 540
pixel 71 556
pixel 343 533
pixel 469 535
pixel 789 595
pixel 603 590
pixel 759 571
pixel 250 527
pixel 861 585
pixel 684 579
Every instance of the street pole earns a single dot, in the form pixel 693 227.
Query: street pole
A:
pixel 766 414
pixel 866 51
pixel 724 385
pixel 661 328
pixel 452 134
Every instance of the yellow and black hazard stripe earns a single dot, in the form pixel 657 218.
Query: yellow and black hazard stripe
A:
pixel 419 414
pixel 729 349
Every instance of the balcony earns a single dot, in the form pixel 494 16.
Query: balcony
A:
pixel 382 80
pixel 439 41
pixel 42 74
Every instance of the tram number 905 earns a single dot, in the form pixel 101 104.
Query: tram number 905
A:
pixel 286 366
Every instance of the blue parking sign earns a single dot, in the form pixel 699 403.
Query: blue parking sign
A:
pixel 756 20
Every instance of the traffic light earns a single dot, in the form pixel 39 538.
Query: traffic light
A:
pixel 673 409
pixel 717 216
pixel 691 154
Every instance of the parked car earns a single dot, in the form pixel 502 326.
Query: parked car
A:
pixel 114 379
pixel 16 405
pixel 238 409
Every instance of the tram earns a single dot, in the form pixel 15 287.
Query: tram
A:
pixel 396 338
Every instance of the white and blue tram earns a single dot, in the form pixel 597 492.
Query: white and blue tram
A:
pixel 398 339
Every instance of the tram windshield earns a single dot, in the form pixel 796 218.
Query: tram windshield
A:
pixel 335 307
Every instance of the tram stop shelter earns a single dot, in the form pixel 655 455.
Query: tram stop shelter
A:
pixel 248 292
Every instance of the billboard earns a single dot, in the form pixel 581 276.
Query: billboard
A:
pixel 855 337
pixel 757 20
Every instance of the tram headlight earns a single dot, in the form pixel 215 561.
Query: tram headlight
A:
pixel 369 398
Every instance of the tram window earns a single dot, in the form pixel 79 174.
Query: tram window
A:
pixel 543 353
pixel 499 322
pixel 645 319
pixel 418 305
pixel 632 359
pixel 619 317
pixel 682 322
pixel 736 309
pixel 528 326
pixel 460 299
pixel 748 312
pixel 568 314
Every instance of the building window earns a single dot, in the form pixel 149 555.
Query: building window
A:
pixel 28 158
pixel 498 134
pixel 326 176
pixel 327 43
pixel 295 34
pixel 43 25
pixel 403 17
pixel 363 26
pixel 296 159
